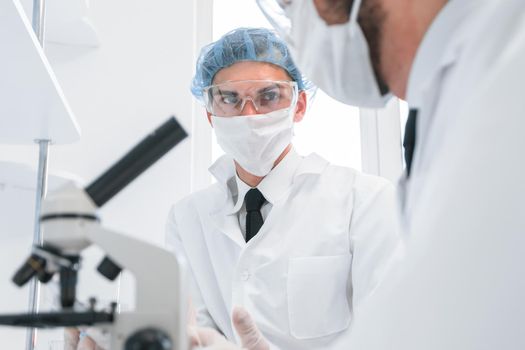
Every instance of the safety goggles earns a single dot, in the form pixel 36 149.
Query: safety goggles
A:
pixel 231 98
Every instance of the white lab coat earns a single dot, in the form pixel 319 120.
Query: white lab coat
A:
pixel 461 284
pixel 322 249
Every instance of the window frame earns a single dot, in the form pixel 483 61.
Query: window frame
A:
pixel 381 146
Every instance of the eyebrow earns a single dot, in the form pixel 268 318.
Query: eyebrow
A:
pixel 268 88
pixel 225 92
pixel 235 93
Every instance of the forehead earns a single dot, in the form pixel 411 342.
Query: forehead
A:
pixel 250 70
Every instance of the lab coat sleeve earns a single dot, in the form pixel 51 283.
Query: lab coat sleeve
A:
pixel 374 235
pixel 198 309
pixel 461 284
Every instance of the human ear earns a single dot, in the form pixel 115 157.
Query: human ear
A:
pixel 300 108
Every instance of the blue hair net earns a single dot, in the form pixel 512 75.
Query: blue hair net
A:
pixel 244 44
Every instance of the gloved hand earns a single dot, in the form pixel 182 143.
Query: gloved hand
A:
pixel 71 338
pixel 90 339
pixel 210 339
pixel 251 337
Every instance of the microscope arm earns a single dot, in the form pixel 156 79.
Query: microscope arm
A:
pixel 159 274
pixel 160 284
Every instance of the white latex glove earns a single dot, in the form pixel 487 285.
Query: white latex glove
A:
pixel 71 338
pixel 96 338
pixel 86 343
pixel 251 337
pixel 210 339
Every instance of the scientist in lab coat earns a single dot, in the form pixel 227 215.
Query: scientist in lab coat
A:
pixel 460 64
pixel 289 238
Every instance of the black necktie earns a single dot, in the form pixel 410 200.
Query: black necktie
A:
pixel 409 142
pixel 254 220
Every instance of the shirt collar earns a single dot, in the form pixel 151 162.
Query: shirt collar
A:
pixel 242 188
pixel 274 185
pixel 439 48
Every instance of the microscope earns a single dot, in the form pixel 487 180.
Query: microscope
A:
pixel 70 224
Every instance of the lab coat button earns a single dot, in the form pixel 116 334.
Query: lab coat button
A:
pixel 245 275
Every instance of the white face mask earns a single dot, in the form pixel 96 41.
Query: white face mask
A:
pixel 336 57
pixel 255 141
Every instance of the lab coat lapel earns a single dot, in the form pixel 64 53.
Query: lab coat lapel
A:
pixel 314 165
pixel 228 224
pixel 220 212
pixel 224 220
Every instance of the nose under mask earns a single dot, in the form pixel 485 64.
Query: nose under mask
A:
pixel 255 141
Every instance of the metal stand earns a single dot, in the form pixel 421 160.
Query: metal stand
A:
pixel 41 185
pixel 39 13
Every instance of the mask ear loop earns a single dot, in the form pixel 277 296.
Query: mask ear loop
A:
pixel 293 105
pixel 295 88
pixel 354 13
pixel 207 99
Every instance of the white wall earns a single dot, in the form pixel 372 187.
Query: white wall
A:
pixel 119 92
